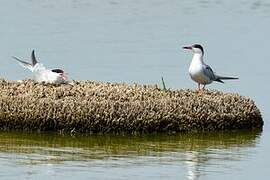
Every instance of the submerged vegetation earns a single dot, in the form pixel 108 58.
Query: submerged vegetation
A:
pixel 95 107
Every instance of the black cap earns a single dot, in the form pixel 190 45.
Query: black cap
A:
pixel 199 47
pixel 57 71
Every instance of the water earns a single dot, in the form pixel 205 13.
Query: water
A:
pixel 40 156
pixel 136 41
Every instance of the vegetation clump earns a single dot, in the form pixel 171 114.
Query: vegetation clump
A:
pixel 96 107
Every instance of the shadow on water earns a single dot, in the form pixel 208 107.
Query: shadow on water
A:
pixel 65 148
pixel 197 153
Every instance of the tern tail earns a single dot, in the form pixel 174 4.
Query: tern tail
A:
pixel 226 77
pixel 220 78
pixel 28 65
pixel 24 63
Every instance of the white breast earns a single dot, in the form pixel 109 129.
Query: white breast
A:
pixel 196 71
pixel 41 74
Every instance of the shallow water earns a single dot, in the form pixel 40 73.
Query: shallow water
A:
pixel 138 42
pixel 39 156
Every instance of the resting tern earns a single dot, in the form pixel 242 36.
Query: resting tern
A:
pixel 201 72
pixel 41 73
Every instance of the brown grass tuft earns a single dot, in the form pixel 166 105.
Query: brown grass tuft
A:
pixel 96 107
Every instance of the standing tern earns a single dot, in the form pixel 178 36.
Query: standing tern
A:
pixel 41 73
pixel 201 72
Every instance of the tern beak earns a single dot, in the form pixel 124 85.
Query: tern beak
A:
pixel 63 76
pixel 187 47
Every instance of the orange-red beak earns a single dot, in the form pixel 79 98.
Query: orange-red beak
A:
pixel 63 76
pixel 187 47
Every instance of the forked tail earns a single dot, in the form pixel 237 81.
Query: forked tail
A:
pixel 25 64
pixel 220 78
pixel 226 77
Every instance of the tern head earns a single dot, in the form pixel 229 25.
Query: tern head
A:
pixel 61 74
pixel 196 48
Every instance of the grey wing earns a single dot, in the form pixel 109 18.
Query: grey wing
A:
pixel 34 59
pixel 207 70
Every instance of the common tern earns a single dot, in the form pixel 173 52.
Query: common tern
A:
pixel 201 72
pixel 41 73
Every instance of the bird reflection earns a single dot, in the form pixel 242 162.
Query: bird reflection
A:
pixel 193 162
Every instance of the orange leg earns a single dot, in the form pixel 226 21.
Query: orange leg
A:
pixel 203 87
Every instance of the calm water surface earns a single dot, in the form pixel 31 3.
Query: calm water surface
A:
pixel 190 156
pixel 137 41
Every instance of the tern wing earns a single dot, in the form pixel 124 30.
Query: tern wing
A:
pixel 34 59
pixel 24 64
pixel 210 73
pixel 207 70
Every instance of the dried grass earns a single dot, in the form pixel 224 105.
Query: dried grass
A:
pixel 96 107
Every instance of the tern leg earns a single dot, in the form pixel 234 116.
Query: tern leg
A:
pixel 199 86
pixel 203 87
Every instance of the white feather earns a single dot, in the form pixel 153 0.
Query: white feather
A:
pixel 41 74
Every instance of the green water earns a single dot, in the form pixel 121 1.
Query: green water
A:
pixel 44 155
